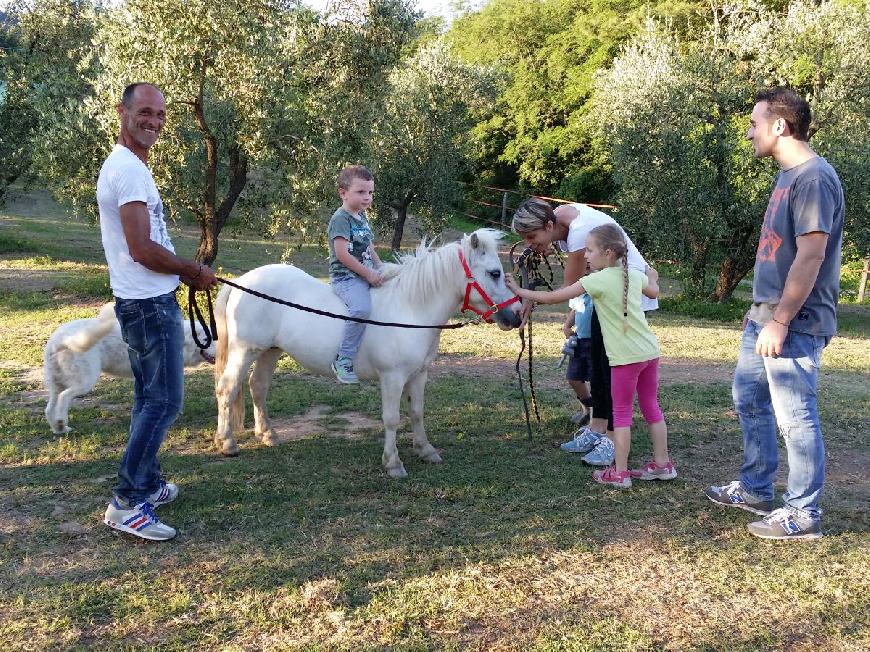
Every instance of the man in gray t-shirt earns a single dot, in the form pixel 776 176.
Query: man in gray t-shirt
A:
pixel 792 319
pixel 807 198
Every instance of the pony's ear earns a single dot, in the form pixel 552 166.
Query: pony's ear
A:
pixel 475 241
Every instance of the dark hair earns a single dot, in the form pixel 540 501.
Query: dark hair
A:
pixel 531 215
pixel 785 103
pixel 127 95
pixel 351 172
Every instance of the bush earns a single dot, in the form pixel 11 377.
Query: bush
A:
pixel 731 311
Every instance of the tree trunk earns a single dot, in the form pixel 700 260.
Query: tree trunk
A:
pixel 731 272
pixel 401 218
pixel 207 251
pixel 212 218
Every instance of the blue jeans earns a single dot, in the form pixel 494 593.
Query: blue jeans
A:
pixel 355 292
pixel 153 331
pixel 781 392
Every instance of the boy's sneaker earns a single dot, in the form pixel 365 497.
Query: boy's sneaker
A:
pixel 343 368
pixel 140 521
pixel 580 418
pixel 614 478
pixel 167 492
pixel 654 471
pixel 785 524
pixel 602 454
pixel 584 440
pixel 734 495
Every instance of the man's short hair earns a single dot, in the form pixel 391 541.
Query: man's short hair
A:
pixel 127 95
pixel 351 172
pixel 784 103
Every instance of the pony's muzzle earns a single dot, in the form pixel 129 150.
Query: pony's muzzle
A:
pixel 509 317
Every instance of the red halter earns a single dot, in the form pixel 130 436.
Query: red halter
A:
pixel 471 283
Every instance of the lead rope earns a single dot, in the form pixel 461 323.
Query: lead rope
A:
pixel 210 329
pixel 528 263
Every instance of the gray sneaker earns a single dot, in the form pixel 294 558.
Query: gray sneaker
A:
pixel 785 524
pixel 140 521
pixel 584 440
pixel 343 368
pixel 166 493
pixel 602 454
pixel 734 495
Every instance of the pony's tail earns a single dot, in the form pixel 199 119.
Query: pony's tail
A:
pixel 236 409
pixel 87 338
pixel 221 346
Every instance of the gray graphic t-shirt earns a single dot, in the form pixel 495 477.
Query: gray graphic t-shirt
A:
pixel 356 230
pixel 806 198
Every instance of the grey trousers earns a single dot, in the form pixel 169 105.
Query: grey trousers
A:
pixel 354 291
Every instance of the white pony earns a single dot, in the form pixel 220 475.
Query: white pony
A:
pixel 79 350
pixel 426 288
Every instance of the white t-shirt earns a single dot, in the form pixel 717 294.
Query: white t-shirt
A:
pixel 124 178
pixel 586 220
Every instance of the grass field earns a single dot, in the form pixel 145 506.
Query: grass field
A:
pixel 509 545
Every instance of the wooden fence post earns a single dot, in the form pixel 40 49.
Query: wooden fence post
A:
pixel 504 197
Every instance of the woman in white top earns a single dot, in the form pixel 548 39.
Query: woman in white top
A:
pixel 566 228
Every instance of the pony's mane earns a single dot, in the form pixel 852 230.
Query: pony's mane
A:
pixel 422 273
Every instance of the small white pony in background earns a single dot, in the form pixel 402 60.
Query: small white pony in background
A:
pixel 78 351
pixel 427 288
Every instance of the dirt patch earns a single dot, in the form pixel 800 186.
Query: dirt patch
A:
pixel 319 420
pixel 671 371
pixel 31 376
pixel 30 280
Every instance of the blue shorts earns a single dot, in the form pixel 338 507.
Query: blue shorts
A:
pixel 580 364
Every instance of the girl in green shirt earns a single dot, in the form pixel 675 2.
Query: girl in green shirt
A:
pixel 631 347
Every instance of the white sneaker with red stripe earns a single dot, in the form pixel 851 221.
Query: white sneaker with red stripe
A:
pixel 167 492
pixel 614 478
pixel 652 470
pixel 140 521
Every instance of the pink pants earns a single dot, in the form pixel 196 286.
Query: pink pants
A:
pixel 625 379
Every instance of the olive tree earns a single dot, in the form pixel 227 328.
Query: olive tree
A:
pixel 265 100
pixel 675 114
pixel 419 141
pixel 44 65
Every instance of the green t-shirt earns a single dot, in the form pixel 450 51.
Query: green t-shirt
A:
pixel 638 343
pixel 356 230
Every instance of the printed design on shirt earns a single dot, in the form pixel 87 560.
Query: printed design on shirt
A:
pixel 360 237
pixel 159 234
pixel 770 240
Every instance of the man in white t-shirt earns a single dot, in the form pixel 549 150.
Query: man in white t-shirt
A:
pixel 144 273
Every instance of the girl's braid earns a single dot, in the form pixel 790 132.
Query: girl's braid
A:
pixel 610 236
pixel 625 292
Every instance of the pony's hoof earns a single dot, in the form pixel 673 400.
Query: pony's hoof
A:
pixel 397 471
pixel 229 449
pixel 61 430
pixel 428 454
pixel 269 439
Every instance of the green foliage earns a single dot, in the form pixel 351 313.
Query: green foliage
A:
pixel 550 52
pixel 43 73
pixel 675 114
pixel 266 101
pixel 419 149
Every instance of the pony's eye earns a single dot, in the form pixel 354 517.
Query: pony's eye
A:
pixel 495 274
